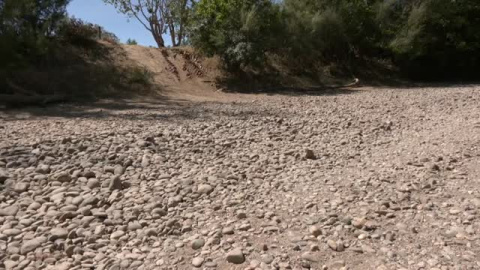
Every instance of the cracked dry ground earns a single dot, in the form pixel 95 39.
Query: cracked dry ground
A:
pixel 393 183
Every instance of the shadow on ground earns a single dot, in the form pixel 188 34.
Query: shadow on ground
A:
pixel 154 108
pixel 295 91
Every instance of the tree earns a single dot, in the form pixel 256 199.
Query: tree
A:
pixel 439 39
pixel 179 20
pixel 158 17
pixel 240 31
pixel 27 26
pixel 131 42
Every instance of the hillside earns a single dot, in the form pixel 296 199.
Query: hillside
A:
pixel 178 72
pixel 110 70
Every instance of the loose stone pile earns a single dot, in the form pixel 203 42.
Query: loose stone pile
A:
pixel 379 179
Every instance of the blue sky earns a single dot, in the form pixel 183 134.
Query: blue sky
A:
pixel 96 11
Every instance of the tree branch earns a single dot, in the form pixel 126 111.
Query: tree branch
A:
pixel 134 13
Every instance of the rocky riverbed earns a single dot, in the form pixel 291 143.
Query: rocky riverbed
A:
pixel 362 179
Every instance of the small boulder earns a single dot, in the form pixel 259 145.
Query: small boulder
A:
pixel 93 183
pixel 32 244
pixel 9 211
pixel 198 243
pixel 315 231
pixel 62 177
pixel 115 183
pixel 204 189
pixel 309 154
pixel 58 233
pixel 236 256
pixel 197 261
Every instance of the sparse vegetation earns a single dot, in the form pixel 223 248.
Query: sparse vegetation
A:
pixel 78 32
pixel 45 53
pixel 131 42
pixel 139 75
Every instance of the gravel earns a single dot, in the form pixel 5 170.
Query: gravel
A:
pixel 360 179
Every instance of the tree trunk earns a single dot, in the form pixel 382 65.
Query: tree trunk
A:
pixel 172 34
pixel 157 31
pixel 183 16
pixel 159 40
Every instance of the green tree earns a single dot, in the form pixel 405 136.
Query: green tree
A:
pixel 179 20
pixel 439 39
pixel 159 17
pixel 241 32
pixel 27 26
pixel 131 42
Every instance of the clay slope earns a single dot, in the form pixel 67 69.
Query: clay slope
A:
pixel 179 72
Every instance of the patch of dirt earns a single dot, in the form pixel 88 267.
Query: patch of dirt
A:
pixel 179 72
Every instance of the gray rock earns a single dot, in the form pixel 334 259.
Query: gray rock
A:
pixel 3 176
pixel 309 154
pixel 198 243
pixel 204 189
pixel 241 215
pixel 336 245
pixel 93 183
pixel 235 256
pixel 116 235
pixel 11 232
pixel 32 244
pixel 115 183
pixel 58 233
pixel 62 177
pixel 310 257
pixel 43 169
pixel 119 170
pixel 315 231
pixel 197 261
pixel 228 230
pixel 21 187
pixel 9 211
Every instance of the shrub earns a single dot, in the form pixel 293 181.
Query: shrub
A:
pixel 27 28
pixel 241 32
pixel 139 75
pixel 78 32
pixel 131 42
pixel 439 39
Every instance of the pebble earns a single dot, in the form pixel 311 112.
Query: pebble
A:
pixel 315 231
pixel 336 245
pixel 115 183
pixel 31 245
pixel 204 189
pixel 210 185
pixel 116 235
pixel 197 261
pixel 235 256
pixel 198 244
pixel 9 211
pixel 58 233
pixel 93 183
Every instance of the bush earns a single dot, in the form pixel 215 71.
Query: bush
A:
pixel 131 42
pixel 139 75
pixel 78 32
pixel 440 39
pixel 241 32
pixel 27 28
